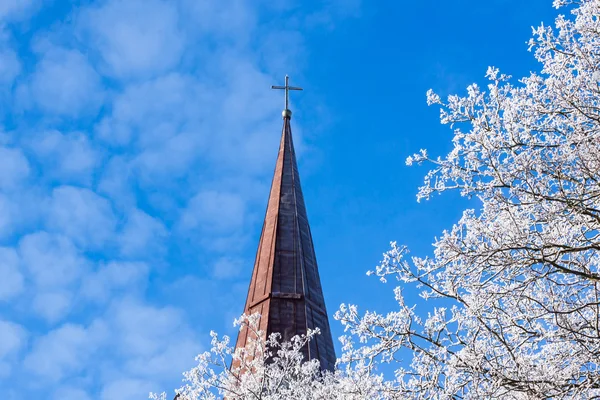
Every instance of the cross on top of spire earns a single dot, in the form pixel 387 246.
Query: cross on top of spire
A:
pixel 287 88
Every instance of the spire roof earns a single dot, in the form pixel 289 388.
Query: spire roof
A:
pixel 285 287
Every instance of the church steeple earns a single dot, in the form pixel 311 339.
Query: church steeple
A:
pixel 285 287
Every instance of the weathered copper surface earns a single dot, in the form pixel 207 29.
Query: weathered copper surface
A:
pixel 285 287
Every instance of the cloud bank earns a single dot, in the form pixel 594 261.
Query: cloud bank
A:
pixel 136 145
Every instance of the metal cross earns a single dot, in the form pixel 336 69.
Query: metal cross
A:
pixel 287 88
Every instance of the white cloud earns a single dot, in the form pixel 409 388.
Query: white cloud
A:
pixel 10 66
pixel 64 84
pixel 155 343
pixel 332 12
pixel 185 291
pixel 154 111
pixel 14 168
pixel 177 120
pixel 164 123
pixel 142 236
pixel 71 393
pixel 116 182
pixel 101 285
pixel 16 8
pixel 68 157
pixel 215 220
pixel 246 98
pixel 127 389
pixel 12 338
pixel 182 88
pixel 52 306
pixel 174 358
pixel 213 211
pixel 52 260
pixel 136 38
pixel 7 216
pixel 172 159
pixel 142 350
pixel 244 116
pixel 82 215
pixel 143 329
pixel 229 19
pixel 65 350
pixel 227 267
pixel 21 209
pixel 11 279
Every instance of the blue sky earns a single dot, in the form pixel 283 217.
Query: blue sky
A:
pixel 137 143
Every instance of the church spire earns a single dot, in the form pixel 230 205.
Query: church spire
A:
pixel 285 287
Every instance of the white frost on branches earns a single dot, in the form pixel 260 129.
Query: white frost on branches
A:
pixel 271 370
pixel 514 284
pixel 519 278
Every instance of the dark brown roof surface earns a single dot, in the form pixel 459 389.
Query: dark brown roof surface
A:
pixel 285 287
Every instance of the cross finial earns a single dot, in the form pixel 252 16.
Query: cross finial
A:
pixel 287 89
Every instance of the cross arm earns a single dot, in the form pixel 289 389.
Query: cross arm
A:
pixel 287 89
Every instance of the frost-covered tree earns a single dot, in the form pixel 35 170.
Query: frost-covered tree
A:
pixel 272 370
pixel 519 278
pixel 514 284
